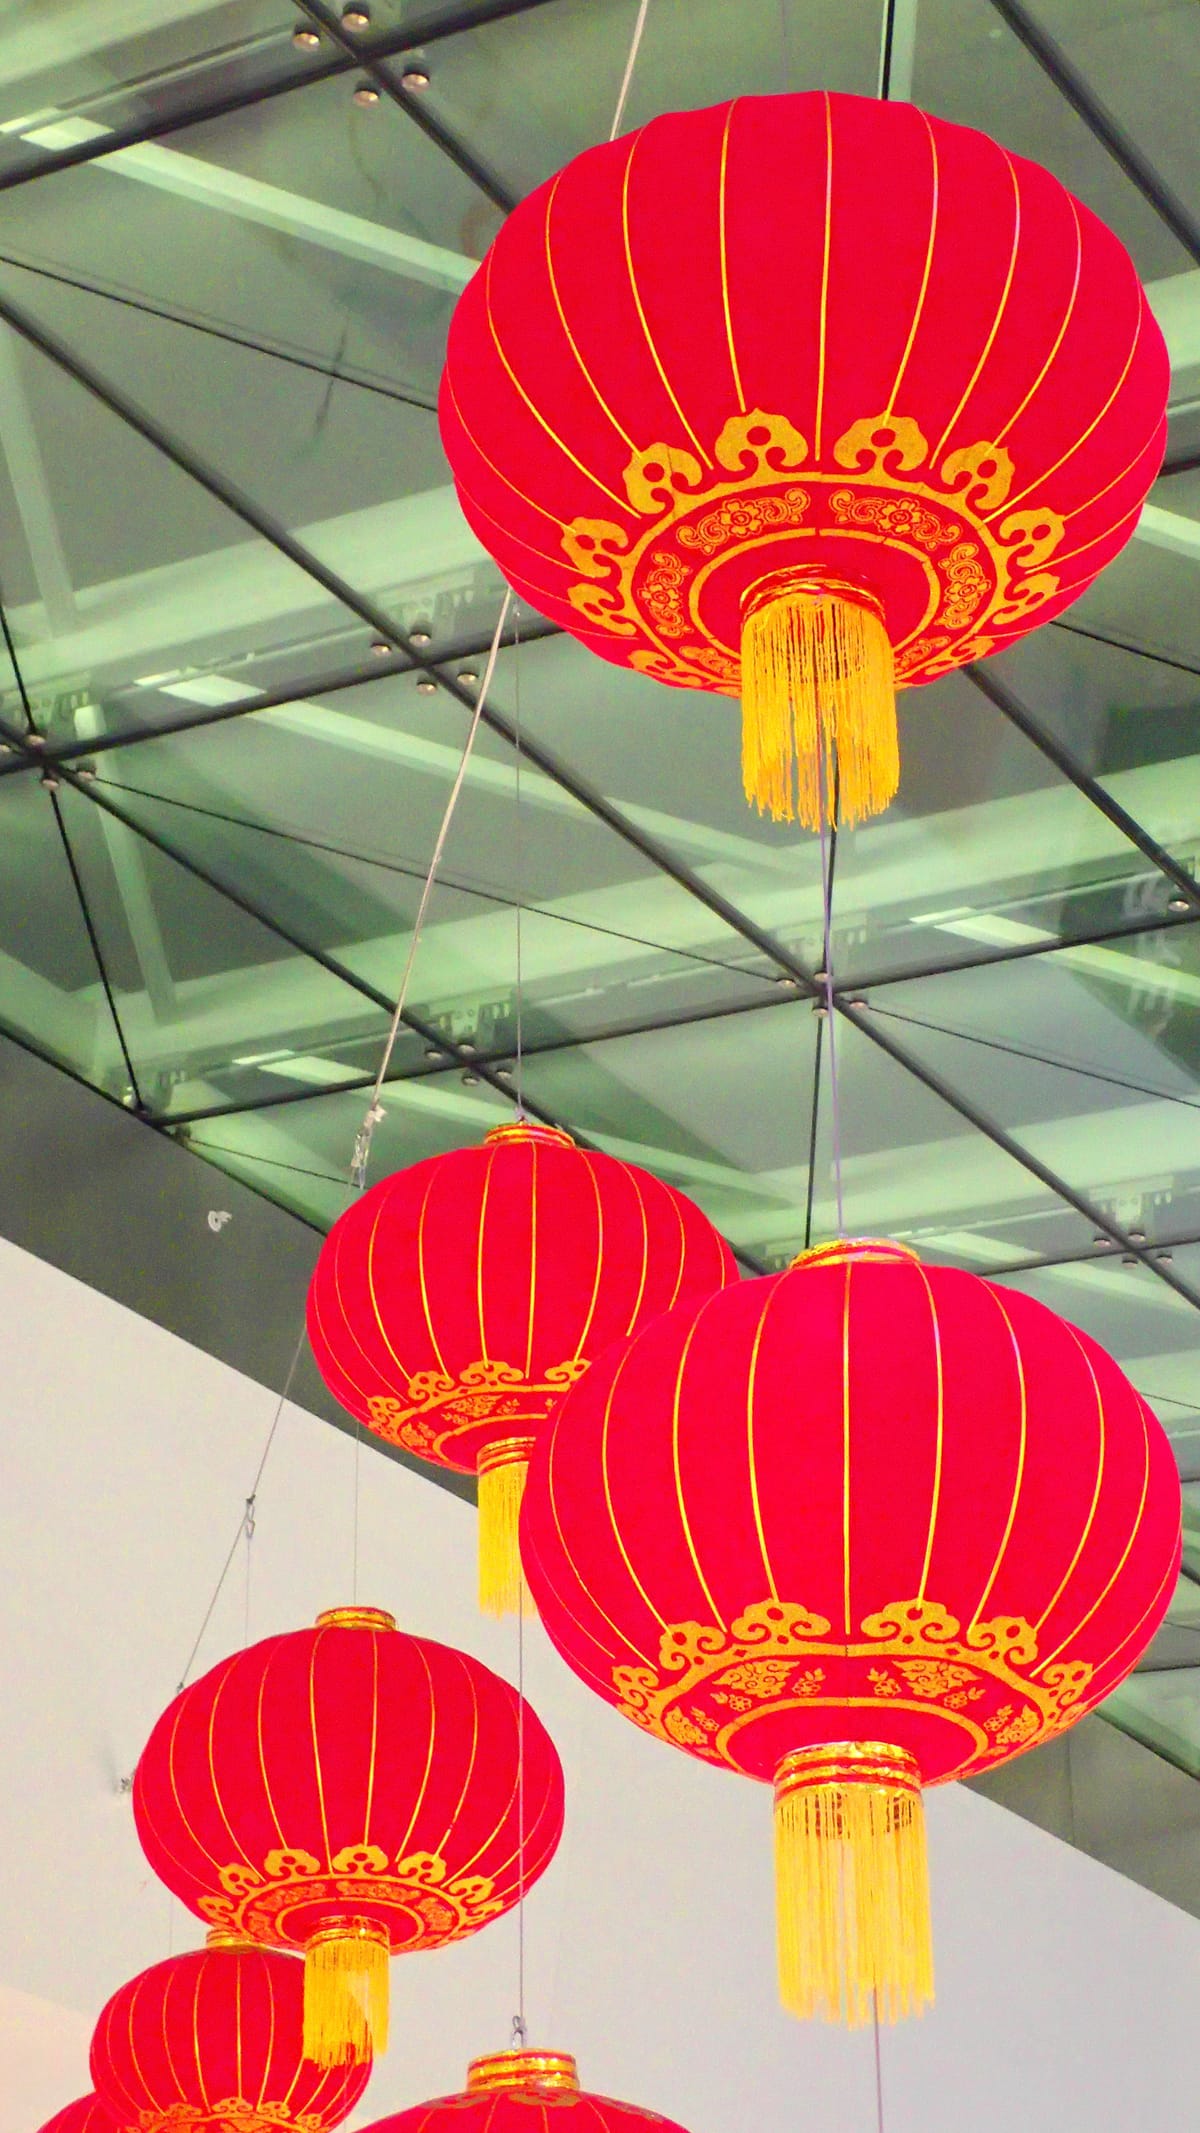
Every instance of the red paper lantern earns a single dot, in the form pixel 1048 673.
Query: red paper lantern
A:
pixel 213 2041
pixel 512 2092
pixel 853 1529
pixel 799 396
pixel 354 1792
pixel 454 1303
pixel 86 2115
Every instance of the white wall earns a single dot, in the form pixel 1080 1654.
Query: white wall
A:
pixel 1067 1996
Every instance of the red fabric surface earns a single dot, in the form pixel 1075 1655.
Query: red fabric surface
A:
pixel 841 1439
pixel 346 1772
pixel 86 2115
pixel 523 2111
pixel 830 260
pixel 213 2040
pixel 449 1301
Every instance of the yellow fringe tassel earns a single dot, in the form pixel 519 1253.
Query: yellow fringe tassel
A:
pixel 852 1884
pixel 346 1995
pixel 502 1471
pixel 817 680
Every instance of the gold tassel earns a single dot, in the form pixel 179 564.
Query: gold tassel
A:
pixel 502 1470
pixel 852 1884
pixel 818 680
pixel 346 1994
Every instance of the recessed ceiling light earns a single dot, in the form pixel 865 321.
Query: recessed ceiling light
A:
pixel 1164 1255
pixel 426 686
pixel 470 1081
pixel 1137 1236
pixel 356 17
pixel 366 95
pixel 381 649
pixel 468 677
pixel 306 40
pixel 414 79
pixel 421 636
pixel 1179 903
pixel 1105 1243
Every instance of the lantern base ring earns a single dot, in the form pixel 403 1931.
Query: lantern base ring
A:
pixel 818 699
pixel 522 2070
pixel 852 1883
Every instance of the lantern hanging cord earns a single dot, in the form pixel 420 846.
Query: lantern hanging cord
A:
pixel 520 882
pixel 246 1523
pixel 630 64
pixel 374 1110
pixel 829 833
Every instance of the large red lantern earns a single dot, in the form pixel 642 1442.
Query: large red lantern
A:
pixel 354 1792
pixel 213 2042
pixel 86 2115
pixel 853 1529
pixel 513 2091
pixel 454 1303
pixel 801 398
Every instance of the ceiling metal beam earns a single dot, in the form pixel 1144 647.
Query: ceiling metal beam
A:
pixel 1077 92
pixel 1022 718
pixel 421 30
pixel 370 61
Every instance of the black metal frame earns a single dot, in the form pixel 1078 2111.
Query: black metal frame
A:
pixel 30 751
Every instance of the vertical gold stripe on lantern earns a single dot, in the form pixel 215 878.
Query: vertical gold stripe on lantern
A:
pixel 852 1884
pixel 818 700
pixel 346 1995
pixel 503 1467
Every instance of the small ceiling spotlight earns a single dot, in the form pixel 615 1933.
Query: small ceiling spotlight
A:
pixel 470 1081
pixel 421 635
pixel 468 677
pixel 426 687
pixel 366 95
pixel 356 16
pixel 381 649
pixel 1179 903
pixel 1136 1236
pixel 414 79
pixel 306 39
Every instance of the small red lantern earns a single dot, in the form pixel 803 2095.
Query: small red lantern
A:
pixel 86 2115
pixel 854 1529
pixel 800 399
pixel 454 1303
pixel 512 2092
pixel 354 1792
pixel 214 2041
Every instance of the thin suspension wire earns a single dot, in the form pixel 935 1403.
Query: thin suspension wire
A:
pixel 828 830
pixel 246 1522
pixel 519 2029
pixel 519 840
pixel 812 1138
pixel 374 1111
pixel 519 2024
pixel 630 64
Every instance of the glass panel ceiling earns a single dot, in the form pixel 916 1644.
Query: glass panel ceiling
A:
pixel 211 914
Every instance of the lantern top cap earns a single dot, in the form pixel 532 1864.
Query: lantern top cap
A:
pixel 883 1250
pixel 356 1618
pixel 527 1129
pixel 223 1937
pixel 522 2070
